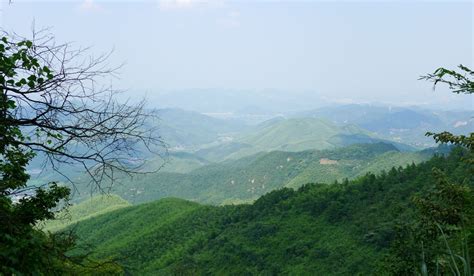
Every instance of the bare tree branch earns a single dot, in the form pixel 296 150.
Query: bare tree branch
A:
pixel 72 117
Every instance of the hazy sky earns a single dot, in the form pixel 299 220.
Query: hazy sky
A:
pixel 345 50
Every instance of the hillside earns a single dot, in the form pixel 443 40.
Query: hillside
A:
pixel 195 140
pixel 295 134
pixel 246 179
pixel 401 124
pixel 186 130
pixel 383 161
pixel 182 132
pixel 176 162
pixel 341 229
pixel 92 207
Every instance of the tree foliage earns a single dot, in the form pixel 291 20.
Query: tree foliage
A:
pixel 52 104
pixel 349 228
pixel 444 214
pixel 459 83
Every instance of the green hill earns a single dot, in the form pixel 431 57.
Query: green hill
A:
pixel 286 135
pixel 295 135
pixel 176 162
pixel 186 130
pixel 402 124
pixel 92 207
pixel 143 220
pixel 350 168
pixel 291 135
pixel 341 229
pixel 246 179
pixel 196 140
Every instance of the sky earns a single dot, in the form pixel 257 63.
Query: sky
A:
pixel 345 51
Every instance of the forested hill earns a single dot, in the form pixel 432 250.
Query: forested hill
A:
pixel 246 179
pixel 402 124
pixel 291 135
pixel 341 229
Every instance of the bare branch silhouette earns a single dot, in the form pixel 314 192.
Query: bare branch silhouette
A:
pixel 71 117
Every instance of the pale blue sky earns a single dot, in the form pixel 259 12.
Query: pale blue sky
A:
pixel 345 50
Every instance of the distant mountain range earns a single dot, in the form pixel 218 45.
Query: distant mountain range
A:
pixel 223 161
pixel 328 127
pixel 404 125
pixel 294 134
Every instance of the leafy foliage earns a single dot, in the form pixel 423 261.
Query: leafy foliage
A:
pixel 459 83
pixel 446 211
pixel 48 105
pixel 22 248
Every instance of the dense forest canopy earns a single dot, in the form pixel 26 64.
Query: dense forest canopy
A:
pixel 378 223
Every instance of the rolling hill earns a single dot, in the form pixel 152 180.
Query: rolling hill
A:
pixel 92 207
pixel 246 179
pixel 186 130
pixel 176 162
pixel 298 135
pixel 291 135
pixel 195 139
pixel 401 124
pixel 341 229
pixel 182 131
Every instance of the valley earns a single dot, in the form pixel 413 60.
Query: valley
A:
pixel 318 228
pixel 246 179
pixel 254 160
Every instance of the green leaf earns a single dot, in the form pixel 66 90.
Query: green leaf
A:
pixel 31 84
pixel 11 104
pixel 32 78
